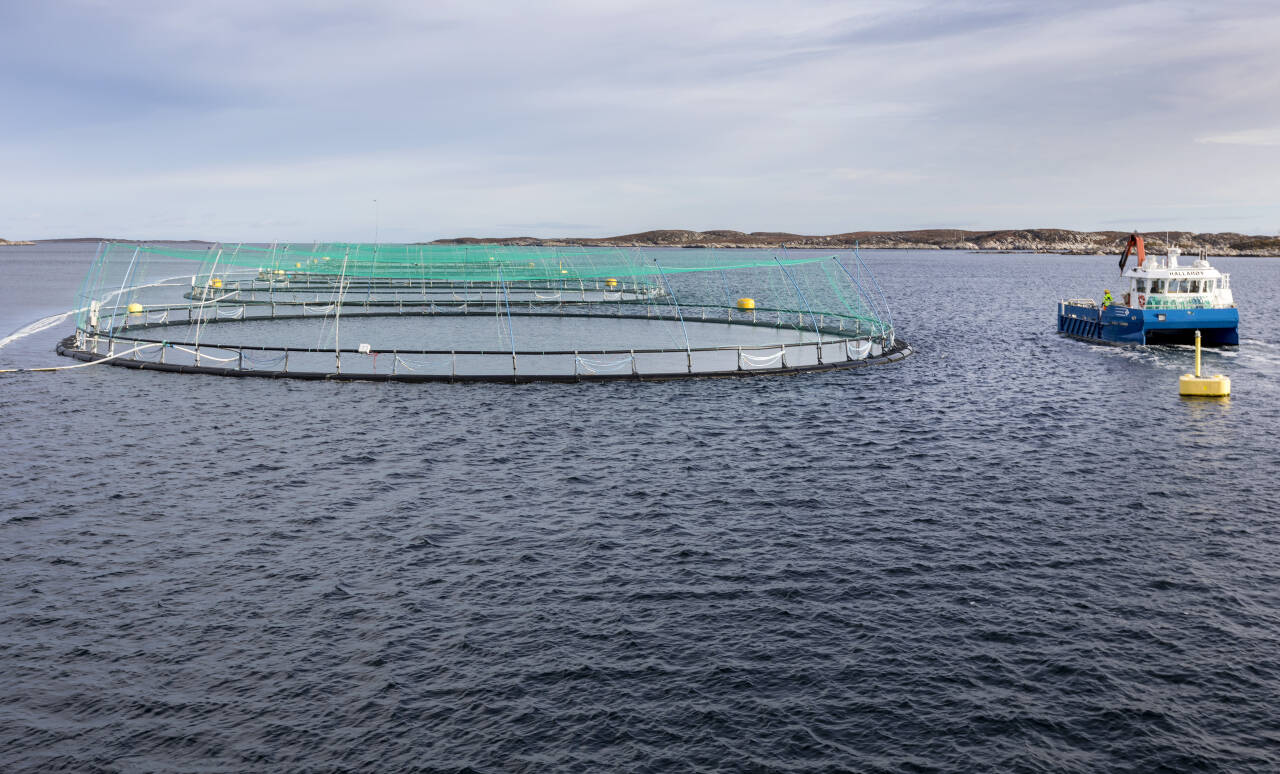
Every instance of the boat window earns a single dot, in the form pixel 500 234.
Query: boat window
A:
pixel 1226 281
pixel 1195 286
pixel 1157 286
pixel 1141 286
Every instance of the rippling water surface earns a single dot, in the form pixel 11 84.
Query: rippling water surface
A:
pixel 1010 552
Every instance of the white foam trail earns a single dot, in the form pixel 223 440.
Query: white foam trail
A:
pixel 43 324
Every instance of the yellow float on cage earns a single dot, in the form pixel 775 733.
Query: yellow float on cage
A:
pixel 217 282
pixel 135 308
pixel 611 282
pixel 746 303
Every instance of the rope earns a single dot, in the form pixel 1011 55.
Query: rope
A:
pixel 405 363
pixel 138 348
pixel 268 361
pixel 766 360
pixel 604 366
pixel 201 354
pixel 858 350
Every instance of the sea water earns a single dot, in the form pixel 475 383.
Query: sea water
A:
pixel 1011 551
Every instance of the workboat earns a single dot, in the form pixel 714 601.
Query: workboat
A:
pixel 1162 302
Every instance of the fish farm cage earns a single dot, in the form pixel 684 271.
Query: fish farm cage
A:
pixel 478 312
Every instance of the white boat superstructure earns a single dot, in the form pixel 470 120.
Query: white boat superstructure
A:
pixel 1157 284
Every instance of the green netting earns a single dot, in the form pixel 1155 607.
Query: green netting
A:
pixel 255 297
pixel 467 263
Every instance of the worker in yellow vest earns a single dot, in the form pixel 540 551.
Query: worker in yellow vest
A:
pixel 1106 299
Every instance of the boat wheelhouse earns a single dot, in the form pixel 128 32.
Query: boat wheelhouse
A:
pixel 1163 303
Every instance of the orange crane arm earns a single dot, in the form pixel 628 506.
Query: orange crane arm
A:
pixel 1135 241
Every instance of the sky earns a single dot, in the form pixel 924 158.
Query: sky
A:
pixel 300 120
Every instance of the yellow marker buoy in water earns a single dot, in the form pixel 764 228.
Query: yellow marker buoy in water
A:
pixel 746 303
pixel 135 308
pixel 1197 386
pixel 217 283
pixel 611 282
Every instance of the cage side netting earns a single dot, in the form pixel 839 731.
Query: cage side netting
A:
pixel 485 312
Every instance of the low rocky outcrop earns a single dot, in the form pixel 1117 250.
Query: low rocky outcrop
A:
pixel 1037 240
pixel 4 242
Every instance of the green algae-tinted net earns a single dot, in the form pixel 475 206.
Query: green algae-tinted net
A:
pixel 482 311
pixel 799 281
pixel 464 263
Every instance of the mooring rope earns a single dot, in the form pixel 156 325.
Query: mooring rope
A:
pixel 99 361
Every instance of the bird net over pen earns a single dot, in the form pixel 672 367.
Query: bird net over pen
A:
pixel 478 312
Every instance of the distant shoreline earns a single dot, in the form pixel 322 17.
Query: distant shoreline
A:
pixel 1054 241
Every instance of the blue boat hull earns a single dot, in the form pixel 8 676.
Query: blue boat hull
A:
pixel 1122 325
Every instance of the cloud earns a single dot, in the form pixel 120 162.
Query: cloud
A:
pixel 240 119
pixel 879 175
pixel 1259 138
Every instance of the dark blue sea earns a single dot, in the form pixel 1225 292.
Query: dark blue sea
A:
pixel 1009 552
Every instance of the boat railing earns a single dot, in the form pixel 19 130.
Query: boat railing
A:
pixel 1088 302
pixel 1165 303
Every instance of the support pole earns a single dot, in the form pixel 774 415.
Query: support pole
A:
pixel 511 334
pixel 337 317
pixel 1197 354
pixel 888 313
pixel 813 318
pixel 676 302
pixel 864 296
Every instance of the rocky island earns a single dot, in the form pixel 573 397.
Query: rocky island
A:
pixel 4 242
pixel 1040 240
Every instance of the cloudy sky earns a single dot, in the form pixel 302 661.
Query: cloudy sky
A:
pixel 286 119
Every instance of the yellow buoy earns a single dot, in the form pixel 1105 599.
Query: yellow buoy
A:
pixel 611 282
pixel 1197 386
pixel 135 308
pixel 746 303
pixel 217 283
pixel 297 266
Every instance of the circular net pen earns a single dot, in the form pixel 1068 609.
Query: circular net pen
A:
pixel 478 312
